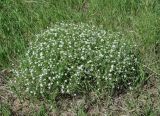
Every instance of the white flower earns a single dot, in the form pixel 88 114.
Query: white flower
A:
pixel 41 85
pixel 109 75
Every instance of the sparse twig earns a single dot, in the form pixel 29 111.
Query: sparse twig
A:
pixel 155 73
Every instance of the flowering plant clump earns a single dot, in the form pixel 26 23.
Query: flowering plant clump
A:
pixel 73 58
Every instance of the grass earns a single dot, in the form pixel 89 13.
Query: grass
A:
pixel 5 110
pixel 20 20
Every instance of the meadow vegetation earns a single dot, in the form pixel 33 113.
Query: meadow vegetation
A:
pixel 58 60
